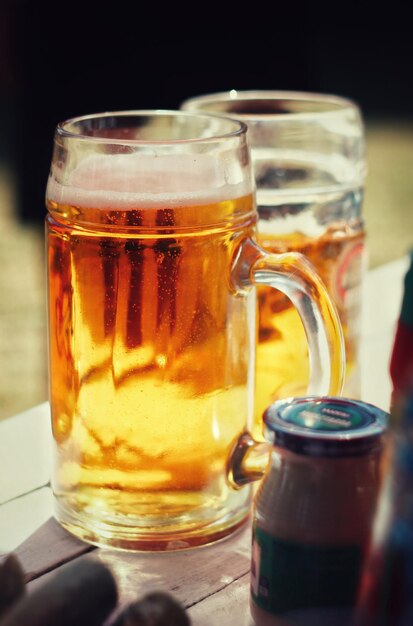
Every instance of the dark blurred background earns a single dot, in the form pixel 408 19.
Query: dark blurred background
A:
pixel 61 61
pixel 58 61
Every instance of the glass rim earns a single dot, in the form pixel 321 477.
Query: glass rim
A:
pixel 338 104
pixel 62 130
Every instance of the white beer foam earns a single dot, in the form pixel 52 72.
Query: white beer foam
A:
pixel 128 181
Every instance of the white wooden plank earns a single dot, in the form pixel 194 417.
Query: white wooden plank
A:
pixel 382 299
pixel 191 575
pixel 229 607
pixel 19 518
pixel 25 452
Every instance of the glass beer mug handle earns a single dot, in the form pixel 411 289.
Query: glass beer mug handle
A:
pixel 247 461
pixel 293 275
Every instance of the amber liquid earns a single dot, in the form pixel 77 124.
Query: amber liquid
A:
pixel 282 353
pixel 150 371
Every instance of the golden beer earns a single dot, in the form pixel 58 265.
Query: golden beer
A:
pixel 150 348
pixel 282 362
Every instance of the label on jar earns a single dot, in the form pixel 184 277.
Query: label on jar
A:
pixel 291 576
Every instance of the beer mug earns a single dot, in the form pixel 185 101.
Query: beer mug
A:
pixel 308 156
pixel 152 268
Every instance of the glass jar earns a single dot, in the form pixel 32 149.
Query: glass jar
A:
pixel 314 509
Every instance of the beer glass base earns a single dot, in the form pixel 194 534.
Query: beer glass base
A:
pixel 149 538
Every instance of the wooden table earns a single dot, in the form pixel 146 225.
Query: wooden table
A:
pixel 212 582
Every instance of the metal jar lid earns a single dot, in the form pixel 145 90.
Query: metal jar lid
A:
pixel 325 426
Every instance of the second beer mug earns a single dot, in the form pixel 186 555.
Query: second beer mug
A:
pixel 152 266
pixel 308 156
